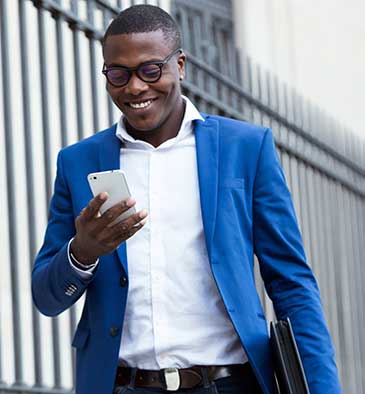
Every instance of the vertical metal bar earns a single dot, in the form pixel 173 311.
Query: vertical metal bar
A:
pixel 241 102
pixel 361 225
pixel 61 79
pixel 30 179
pixel 106 17
pixel 222 46
pixel 286 108
pixel 49 176
pixel 209 51
pixel 64 139
pixel 321 241
pixel 313 236
pixel 304 208
pixel 79 115
pixel 334 271
pixel 184 23
pixel 77 71
pixel 294 176
pixel 78 86
pixel 360 219
pixel 45 101
pixel 11 186
pixel 360 291
pixel 329 266
pixel 298 110
pixel 348 362
pixel 273 100
pixel 94 86
pixel 326 260
pixel 337 234
pixel 247 85
pixel 221 52
pixel 198 75
pixel 257 91
pixel 194 47
pixel 355 337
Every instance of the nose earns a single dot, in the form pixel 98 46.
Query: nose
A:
pixel 135 85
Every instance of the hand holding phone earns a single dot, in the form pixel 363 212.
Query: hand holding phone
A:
pixel 115 184
pixel 103 225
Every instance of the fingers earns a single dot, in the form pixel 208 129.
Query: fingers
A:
pixel 128 227
pixel 112 213
pixel 92 209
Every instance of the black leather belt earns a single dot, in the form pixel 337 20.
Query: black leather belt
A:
pixel 172 379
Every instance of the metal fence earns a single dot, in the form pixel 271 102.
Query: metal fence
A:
pixel 52 95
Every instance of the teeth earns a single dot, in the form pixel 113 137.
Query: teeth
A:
pixel 141 105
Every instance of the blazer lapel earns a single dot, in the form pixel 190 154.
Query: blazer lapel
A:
pixel 207 149
pixel 109 159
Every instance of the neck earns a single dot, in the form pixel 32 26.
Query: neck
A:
pixel 169 129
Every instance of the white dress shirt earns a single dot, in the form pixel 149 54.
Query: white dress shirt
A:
pixel 175 316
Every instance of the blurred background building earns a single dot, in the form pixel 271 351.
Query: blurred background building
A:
pixel 244 60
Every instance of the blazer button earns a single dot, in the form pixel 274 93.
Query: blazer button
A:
pixel 123 281
pixel 114 331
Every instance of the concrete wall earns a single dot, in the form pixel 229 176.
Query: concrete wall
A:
pixel 315 46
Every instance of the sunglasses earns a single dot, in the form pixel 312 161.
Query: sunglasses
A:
pixel 149 72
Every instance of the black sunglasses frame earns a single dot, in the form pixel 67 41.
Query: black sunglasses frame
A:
pixel 130 70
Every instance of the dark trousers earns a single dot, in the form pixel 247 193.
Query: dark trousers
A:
pixel 235 384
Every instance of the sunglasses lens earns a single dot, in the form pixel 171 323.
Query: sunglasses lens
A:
pixel 118 77
pixel 149 72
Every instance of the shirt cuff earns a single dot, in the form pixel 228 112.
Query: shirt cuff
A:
pixel 83 273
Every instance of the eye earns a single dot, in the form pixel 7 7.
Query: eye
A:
pixel 118 77
pixel 149 72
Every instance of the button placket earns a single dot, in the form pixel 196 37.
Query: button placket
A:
pixel 157 251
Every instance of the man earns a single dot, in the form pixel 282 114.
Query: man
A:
pixel 213 194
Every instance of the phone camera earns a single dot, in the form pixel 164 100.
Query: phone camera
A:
pixel 94 177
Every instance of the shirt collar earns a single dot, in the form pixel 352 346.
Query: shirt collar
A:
pixel 191 114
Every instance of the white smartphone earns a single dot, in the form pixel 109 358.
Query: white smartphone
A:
pixel 115 184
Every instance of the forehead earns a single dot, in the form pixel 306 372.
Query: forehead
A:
pixel 135 48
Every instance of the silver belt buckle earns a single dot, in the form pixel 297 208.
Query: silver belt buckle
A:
pixel 172 379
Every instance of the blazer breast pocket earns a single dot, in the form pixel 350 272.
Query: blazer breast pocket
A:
pixel 232 183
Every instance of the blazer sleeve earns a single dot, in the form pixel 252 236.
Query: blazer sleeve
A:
pixel 288 279
pixel 55 284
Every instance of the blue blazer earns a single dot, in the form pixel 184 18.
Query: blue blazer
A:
pixel 246 209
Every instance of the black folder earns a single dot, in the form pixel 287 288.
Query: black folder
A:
pixel 287 363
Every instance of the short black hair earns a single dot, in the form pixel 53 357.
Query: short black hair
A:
pixel 144 18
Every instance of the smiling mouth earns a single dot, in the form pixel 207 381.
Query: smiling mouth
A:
pixel 140 105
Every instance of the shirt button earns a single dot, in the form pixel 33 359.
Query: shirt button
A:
pixel 123 281
pixel 114 331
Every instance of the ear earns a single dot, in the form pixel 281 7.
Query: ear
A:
pixel 181 65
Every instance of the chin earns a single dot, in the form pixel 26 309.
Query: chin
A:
pixel 144 126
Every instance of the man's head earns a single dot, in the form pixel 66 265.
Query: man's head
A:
pixel 148 95
pixel 143 19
